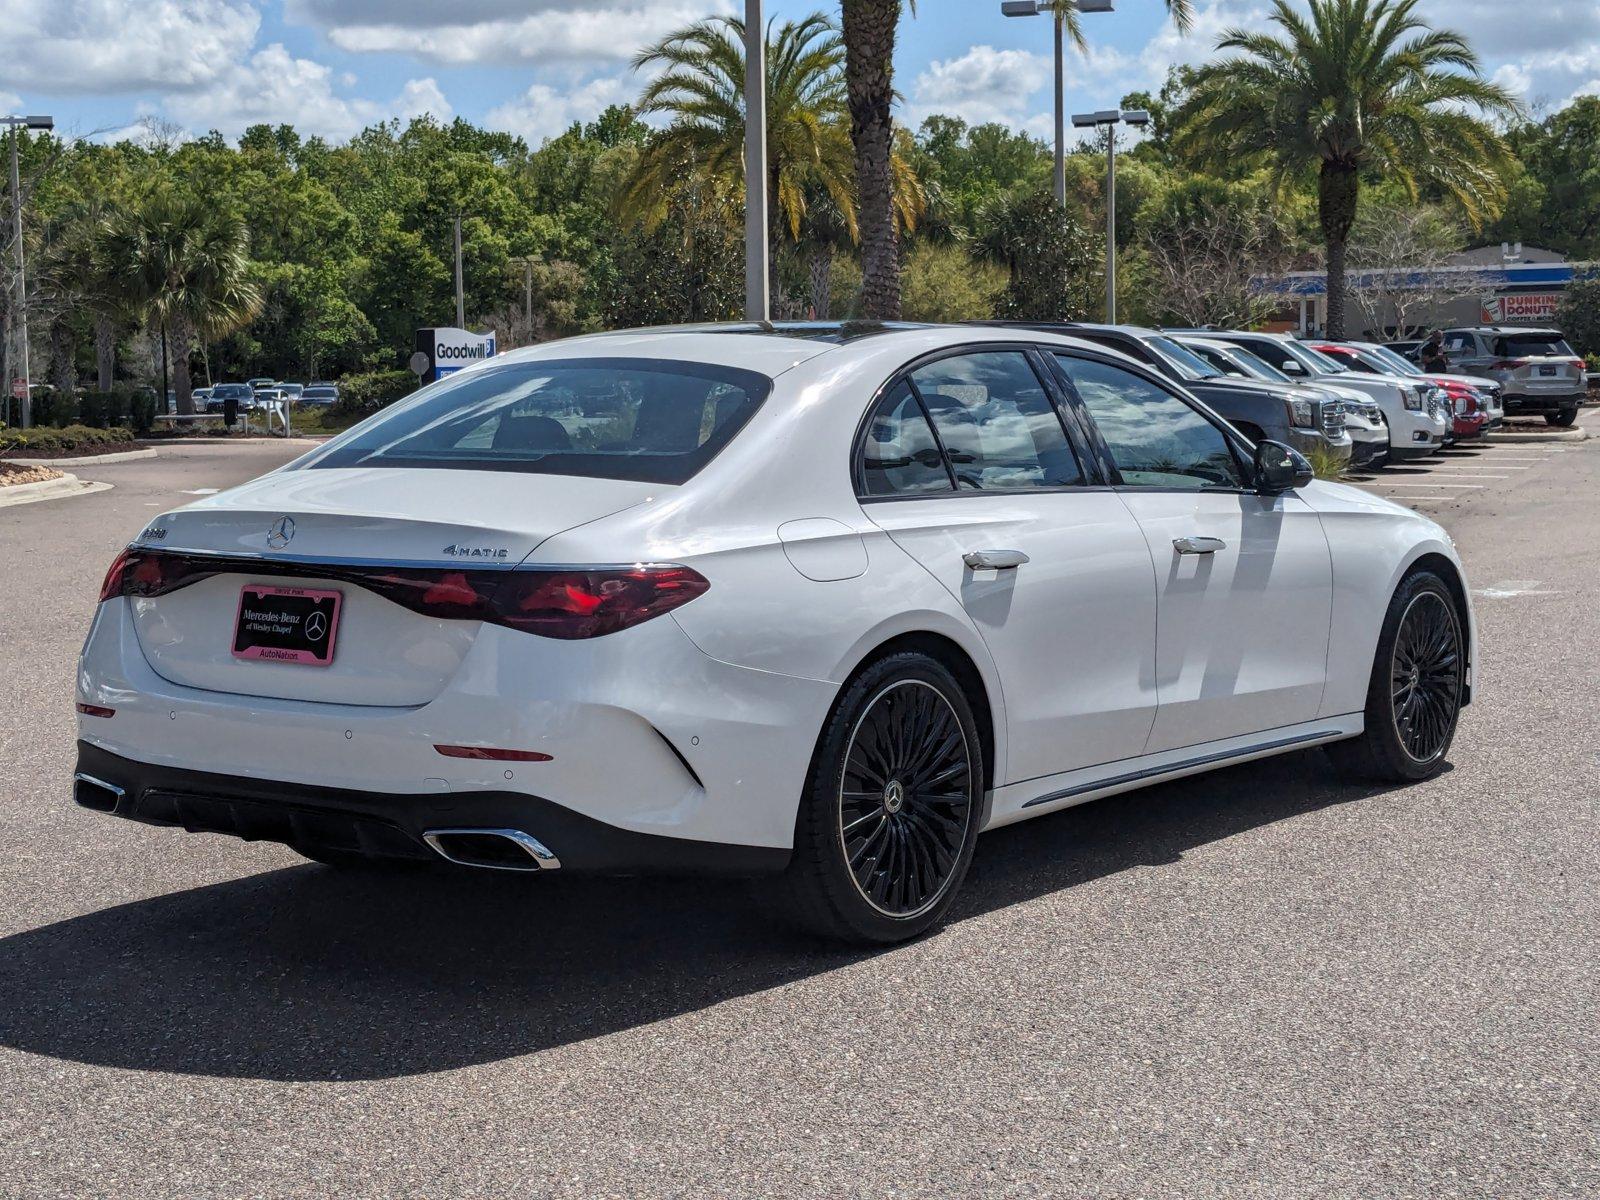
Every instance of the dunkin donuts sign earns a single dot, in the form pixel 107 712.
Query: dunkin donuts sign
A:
pixel 1521 307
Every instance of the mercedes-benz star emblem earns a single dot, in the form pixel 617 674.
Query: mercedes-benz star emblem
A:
pixel 281 533
pixel 316 627
pixel 894 797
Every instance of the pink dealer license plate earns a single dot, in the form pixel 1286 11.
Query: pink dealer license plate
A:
pixel 286 624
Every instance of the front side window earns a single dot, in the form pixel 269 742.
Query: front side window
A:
pixel 652 421
pixel 1155 439
pixel 1458 342
pixel 899 456
pixel 1184 361
pixel 998 427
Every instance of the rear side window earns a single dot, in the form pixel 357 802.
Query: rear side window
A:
pixel 1155 438
pixel 652 421
pixel 998 427
pixel 899 456
pixel 1533 345
pixel 1458 341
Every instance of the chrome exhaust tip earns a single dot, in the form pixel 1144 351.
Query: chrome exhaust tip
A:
pixel 492 849
pixel 97 794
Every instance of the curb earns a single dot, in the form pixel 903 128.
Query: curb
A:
pixel 48 489
pixel 84 460
pixel 297 440
pixel 1576 433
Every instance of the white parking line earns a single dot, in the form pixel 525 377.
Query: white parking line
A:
pixel 1459 487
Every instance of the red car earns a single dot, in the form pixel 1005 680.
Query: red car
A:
pixel 1469 418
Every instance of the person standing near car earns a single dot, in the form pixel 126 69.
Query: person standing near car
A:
pixel 1431 354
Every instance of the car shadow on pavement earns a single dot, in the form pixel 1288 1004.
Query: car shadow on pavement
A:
pixel 315 974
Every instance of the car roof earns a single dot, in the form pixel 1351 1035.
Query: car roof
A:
pixel 1502 330
pixel 771 348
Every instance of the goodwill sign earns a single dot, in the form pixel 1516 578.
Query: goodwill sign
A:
pixel 449 350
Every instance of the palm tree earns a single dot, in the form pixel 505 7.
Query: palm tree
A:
pixel 187 262
pixel 701 88
pixel 869 28
pixel 76 276
pixel 1357 87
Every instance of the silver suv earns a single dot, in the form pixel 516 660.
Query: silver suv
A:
pixel 1535 368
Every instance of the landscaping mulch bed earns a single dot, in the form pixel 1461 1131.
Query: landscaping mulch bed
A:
pixel 11 475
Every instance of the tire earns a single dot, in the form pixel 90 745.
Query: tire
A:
pixel 881 861
pixel 1410 723
pixel 1563 418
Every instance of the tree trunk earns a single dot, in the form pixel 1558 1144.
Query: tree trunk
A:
pixel 869 31
pixel 105 351
pixel 1338 188
pixel 63 372
pixel 179 335
pixel 821 264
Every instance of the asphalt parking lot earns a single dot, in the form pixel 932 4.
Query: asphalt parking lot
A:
pixel 1259 983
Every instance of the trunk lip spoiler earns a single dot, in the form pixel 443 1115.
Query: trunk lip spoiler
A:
pixel 252 558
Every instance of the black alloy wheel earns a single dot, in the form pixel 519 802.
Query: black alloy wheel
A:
pixel 905 798
pixel 1415 691
pixel 1425 677
pixel 890 813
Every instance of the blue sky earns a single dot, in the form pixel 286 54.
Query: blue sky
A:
pixel 532 66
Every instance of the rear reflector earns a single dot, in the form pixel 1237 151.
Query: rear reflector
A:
pixel 95 710
pixel 567 603
pixel 493 754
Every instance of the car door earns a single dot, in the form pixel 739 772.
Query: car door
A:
pixel 966 464
pixel 1244 582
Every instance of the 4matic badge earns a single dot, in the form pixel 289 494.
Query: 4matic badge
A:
pixel 458 551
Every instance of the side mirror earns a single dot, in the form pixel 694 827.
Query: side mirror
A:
pixel 1291 366
pixel 1279 468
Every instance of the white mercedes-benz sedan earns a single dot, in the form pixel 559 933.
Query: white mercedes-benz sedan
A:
pixel 819 602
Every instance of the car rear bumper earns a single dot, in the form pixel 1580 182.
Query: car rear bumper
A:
pixel 644 732
pixel 387 825
pixel 1515 403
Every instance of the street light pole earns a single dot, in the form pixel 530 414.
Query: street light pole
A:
pixel 1111 224
pixel 1109 119
pixel 1032 8
pixel 19 324
pixel 461 295
pixel 757 298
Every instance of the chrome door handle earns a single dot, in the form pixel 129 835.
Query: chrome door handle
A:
pixel 994 560
pixel 1198 545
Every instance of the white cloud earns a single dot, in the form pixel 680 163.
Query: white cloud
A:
pixel 423 97
pixel 10 102
pixel 109 46
pixel 275 88
pixel 494 32
pixel 542 112
pixel 980 86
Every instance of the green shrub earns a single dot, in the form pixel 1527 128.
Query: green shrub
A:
pixel 44 441
pixel 102 410
pixel 374 389
pixel 142 412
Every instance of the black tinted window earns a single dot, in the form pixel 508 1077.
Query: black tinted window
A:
pixel 1533 345
pixel 998 426
pixel 1155 439
pixel 645 420
pixel 899 456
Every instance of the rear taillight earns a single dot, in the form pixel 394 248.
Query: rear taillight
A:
pixel 567 604
pixel 111 585
pixel 585 604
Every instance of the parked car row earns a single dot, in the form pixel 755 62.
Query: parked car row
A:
pixel 1343 403
pixel 264 392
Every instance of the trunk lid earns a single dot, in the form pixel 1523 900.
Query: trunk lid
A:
pixel 347 520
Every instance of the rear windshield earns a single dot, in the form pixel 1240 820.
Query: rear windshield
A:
pixel 1533 345
pixel 223 390
pixel 653 421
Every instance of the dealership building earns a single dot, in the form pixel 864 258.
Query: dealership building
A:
pixel 1490 285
